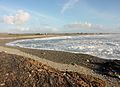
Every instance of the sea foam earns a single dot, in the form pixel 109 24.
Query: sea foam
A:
pixel 104 46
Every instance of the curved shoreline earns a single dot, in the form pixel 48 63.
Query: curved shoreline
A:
pixel 38 43
pixel 60 61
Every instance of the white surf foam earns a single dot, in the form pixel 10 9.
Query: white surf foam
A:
pixel 105 46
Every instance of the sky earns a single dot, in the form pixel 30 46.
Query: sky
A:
pixel 60 16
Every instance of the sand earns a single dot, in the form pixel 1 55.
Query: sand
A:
pixel 62 61
pixel 59 66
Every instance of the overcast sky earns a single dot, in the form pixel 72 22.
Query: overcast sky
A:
pixel 55 16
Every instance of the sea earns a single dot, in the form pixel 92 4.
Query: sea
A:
pixel 105 46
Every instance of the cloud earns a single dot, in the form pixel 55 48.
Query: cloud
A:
pixel 84 25
pixel 68 5
pixel 19 18
pixel 8 19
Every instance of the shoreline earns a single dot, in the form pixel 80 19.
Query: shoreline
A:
pixel 56 65
pixel 102 52
pixel 62 60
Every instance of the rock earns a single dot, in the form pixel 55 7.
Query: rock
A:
pixel 7 74
pixel 2 84
pixel 73 64
pixel 112 68
pixel 43 53
pixel 88 61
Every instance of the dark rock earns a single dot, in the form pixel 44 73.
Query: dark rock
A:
pixel 111 68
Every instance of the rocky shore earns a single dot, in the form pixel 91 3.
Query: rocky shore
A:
pixel 111 68
pixel 18 71
pixel 108 69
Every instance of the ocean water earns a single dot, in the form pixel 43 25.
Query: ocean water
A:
pixel 103 46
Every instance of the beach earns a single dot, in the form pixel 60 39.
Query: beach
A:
pixel 63 61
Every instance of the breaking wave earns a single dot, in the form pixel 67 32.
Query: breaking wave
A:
pixel 104 46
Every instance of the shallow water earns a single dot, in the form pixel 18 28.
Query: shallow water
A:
pixel 104 46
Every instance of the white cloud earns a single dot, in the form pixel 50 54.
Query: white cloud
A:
pixel 84 25
pixel 68 5
pixel 8 19
pixel 19 18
